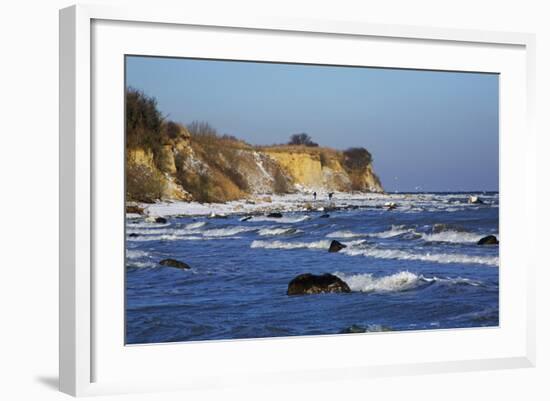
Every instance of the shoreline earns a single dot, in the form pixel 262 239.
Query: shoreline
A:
pixel 304 202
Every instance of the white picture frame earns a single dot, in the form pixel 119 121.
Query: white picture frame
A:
pixel 92 39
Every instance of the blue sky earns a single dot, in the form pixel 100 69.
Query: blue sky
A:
pixel 426 130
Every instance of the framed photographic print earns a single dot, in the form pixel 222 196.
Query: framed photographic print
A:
pixel 236 195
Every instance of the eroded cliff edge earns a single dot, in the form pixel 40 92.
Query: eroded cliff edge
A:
pixel 218 169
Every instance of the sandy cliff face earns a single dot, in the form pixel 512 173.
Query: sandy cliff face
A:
pixel 324 171
pixel 183 169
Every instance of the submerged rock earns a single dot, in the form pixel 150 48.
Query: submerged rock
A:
pixel 275 215
pixel 245 218
pixel 174 263
pixel 488 240
pixel 161 220
pixel 316 284
pixel 336 246
pixel 133 235
pixel 355 328
pixel 324 216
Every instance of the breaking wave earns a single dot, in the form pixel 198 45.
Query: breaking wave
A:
pixel 381 253
pixel 344 234
pixel 228 232
pixel 368 283
pixel 286 220
pixel 194 226
pixel 456 237
pixel 136 254
pixel 278 231
pixel 323 244
pixel 401 281
pixel 392 232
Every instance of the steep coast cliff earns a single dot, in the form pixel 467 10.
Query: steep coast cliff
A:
pixel 169 161
pixel 215 169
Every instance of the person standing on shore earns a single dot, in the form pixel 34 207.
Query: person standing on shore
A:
pixel 330 195
pixel 314 196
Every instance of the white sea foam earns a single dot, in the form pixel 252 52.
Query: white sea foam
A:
pixel 277 231
pixel 392 232
pixel 150 231
pixel 285 220
pixel 228 232
pixel 163 237
pixel 194 226
pixel 344 234
pixel 368 283
pixel 141 265
pixel 452 236
pixel 144 224
pixel 400 281
pixel 385 253
pixel 135 254
pixel 323 244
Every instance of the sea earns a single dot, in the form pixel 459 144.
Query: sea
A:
pixel 415 267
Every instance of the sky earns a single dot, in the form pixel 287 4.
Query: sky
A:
pixel 426 130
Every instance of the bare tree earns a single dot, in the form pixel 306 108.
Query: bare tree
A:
pixel 201 128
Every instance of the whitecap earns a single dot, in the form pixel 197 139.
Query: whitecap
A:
pixel 368 283
pixel 163 237
pixel 446 258
pixel 453 237
pixel 194 226
pixel 323 244
pixel 141 265
pixel 392 232
pixel 400 281
pixel 277 231
pixel 344 234
pixel 135 254
pixel 227 232
pixel 285 220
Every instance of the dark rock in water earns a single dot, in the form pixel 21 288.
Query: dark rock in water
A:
pixel 133 235
pixel 275 215
pixel 174 263
pixel 336 246
pixel 134 209
pixel 355 328
pixel 246 218
pixel 161 220
pixel 488 240
pixel 314 284
pixel 324 216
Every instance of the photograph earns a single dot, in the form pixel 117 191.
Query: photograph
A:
pixel 272 199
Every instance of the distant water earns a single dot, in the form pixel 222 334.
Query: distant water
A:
pixel 415 267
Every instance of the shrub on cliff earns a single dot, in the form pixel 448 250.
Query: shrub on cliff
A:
pixel 143 121
pixel 357 158
pixel 143 184
pixel 302 139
